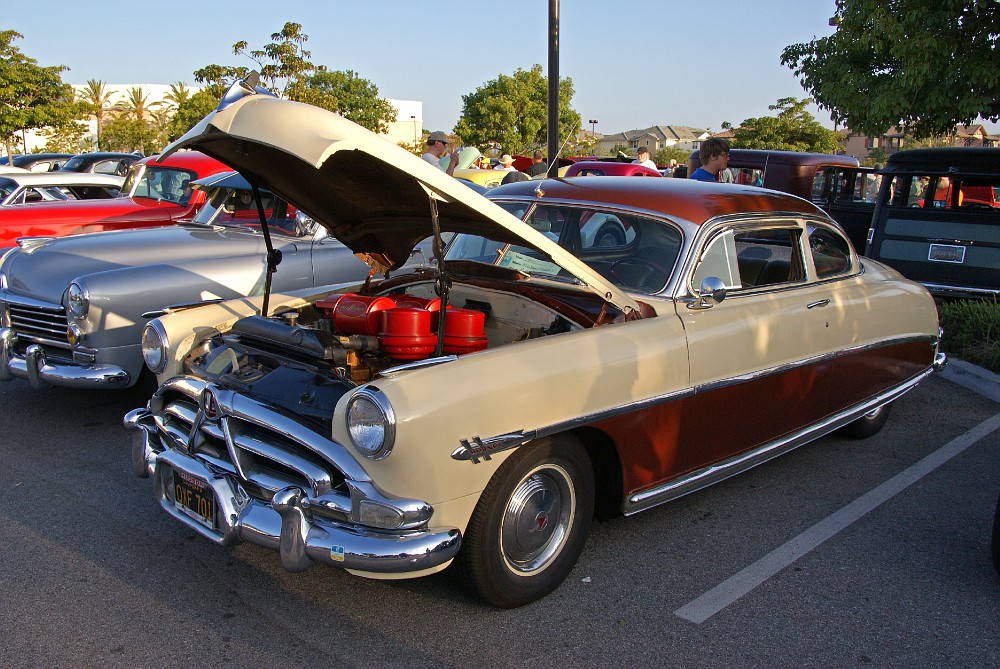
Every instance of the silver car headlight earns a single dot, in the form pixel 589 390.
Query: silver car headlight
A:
pixel 371 423
pixel 154 347
pixel 78 300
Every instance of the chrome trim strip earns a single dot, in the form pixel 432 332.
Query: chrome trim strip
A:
pixel 959 291
pixel 474 449
pixel 722 470
pixel 389 372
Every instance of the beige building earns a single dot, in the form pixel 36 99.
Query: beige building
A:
pixel 407 127
pixel 894 139
pixel 655 138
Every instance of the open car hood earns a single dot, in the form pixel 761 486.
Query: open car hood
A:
pixel 369 193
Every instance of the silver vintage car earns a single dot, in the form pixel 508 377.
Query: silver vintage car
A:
pixel 72 309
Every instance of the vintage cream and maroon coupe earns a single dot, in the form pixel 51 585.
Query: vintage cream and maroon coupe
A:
pixel 481 411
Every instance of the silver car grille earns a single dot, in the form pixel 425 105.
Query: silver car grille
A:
pixel 41 324
pixel 264 459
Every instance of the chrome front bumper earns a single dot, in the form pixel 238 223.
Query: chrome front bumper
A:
pixel 287 524
pixel 40 372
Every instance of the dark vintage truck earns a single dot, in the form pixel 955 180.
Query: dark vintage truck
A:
pixel 937 220
pixel 836 183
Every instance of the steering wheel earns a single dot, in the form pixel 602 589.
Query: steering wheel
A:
pixel 638 273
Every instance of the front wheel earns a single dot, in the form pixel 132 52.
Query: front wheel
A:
pixel 530 524
pixel 869 424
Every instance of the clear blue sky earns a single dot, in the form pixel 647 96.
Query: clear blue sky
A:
pixel 634 63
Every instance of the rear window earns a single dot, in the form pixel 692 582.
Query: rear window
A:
pixel 938 191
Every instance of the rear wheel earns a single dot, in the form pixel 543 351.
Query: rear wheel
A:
pixel 869 424
pixel 530 524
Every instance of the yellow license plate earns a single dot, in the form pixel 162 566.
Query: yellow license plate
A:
pixel 194 498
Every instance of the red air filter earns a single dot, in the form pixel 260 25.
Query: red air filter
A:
pixel 360 314
pixel 464 331
pixel 406 333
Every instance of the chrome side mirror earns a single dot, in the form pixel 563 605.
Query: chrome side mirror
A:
pixel 711 293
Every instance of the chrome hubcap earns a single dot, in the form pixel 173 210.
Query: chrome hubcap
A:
pixel 537 519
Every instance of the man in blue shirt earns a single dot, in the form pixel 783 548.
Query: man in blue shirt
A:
pixel 714 156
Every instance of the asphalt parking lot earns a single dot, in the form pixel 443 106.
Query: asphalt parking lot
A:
pixel 841 554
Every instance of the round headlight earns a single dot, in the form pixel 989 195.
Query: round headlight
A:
pixel 154 347
pixel 371 423
pixel 78 300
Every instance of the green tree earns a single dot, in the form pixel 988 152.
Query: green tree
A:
pixel 31 96
pixel 189 112
pixel 67 138
pixel 511 111
pixel 664 155
pixel 178 95
pixel 349 95
pixel 96 98
pixel 793 129
pixel 928 66
pixel 875 157
pixel 285 70
pixel 136 104
pixel 126 133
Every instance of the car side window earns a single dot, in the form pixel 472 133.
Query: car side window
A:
pixel 752 258
pixel 831 253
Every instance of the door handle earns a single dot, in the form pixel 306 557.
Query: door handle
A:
pixel 818 303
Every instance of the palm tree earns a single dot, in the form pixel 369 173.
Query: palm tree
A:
pixel 136 104
pixel 96 98
pixel 178 95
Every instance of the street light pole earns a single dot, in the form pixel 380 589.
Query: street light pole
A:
pixel 414 119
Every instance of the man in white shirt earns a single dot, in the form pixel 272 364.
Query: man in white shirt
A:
pixel 437 145
pixel 642 158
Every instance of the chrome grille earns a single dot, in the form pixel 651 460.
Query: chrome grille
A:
pixel 264 460
pixel 45 325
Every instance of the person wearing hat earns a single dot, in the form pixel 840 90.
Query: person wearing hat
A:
pixel 506 163
pixel 437 146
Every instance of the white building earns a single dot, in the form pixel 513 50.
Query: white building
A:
pixel 407 128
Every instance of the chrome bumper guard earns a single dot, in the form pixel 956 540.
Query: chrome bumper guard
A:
pixel 39 372
pixel 287 524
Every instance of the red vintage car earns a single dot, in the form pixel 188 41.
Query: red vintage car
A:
pixel 607 168
pixel 153 194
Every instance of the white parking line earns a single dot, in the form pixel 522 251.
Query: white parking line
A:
pixel 740 584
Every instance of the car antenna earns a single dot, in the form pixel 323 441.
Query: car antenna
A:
pixel 559 152
pixel 273 254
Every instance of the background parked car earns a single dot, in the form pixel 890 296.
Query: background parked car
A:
pixel 153 194
pixel 32 187
pixel 937 220
pixel 38 162
pixel 337 426
pixel 102 162
pixel 836 183
pixel 593 168
pixel 72 309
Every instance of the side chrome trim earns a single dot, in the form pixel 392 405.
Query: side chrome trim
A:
pixel 475 449
pixel 720 471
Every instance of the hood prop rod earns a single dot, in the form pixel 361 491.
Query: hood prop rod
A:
pixel 443 282
pixel 273 254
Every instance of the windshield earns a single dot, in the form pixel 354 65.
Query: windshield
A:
pixel 159 183
pixel 618 245
pixel 235 206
